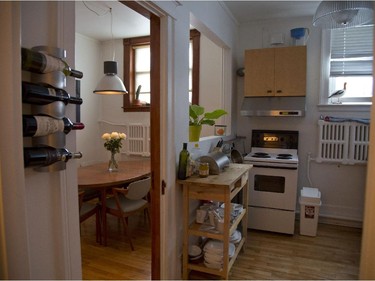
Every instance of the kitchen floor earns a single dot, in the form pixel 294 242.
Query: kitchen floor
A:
pixel 333 254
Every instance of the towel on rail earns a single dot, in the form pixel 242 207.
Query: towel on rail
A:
pixel 345 119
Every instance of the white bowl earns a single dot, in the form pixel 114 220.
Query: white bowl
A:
pixel 216 247
pixel 194 251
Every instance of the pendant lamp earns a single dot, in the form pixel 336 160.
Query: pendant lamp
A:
pixel 110 84
pixel 341 14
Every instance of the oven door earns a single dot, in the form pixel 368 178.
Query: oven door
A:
pixel 272 187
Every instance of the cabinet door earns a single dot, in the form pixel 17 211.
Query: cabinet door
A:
pixel 290 71
pixel 259 72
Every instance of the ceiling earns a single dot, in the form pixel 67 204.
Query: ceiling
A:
pixel 246 11
pixel 127 23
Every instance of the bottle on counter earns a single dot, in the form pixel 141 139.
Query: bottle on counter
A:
pixel 41 95
pixel 37 126
pixel 46 155
pixel 38 62
pixel 183 162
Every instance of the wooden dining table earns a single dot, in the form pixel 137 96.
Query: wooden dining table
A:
pixel 98 177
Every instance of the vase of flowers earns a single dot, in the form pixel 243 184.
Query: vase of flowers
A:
pixel 113 144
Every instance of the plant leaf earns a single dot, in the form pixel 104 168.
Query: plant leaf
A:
pixel 215 114
pixel 208 122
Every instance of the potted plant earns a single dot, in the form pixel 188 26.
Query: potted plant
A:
pixel 197 118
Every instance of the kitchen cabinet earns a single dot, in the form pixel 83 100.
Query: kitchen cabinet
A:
pixel 219 188
pixel 275 72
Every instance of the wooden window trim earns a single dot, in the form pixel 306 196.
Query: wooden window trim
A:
pixel 195 36
pixel 129 78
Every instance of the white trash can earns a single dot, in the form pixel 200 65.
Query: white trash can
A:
pixel 310 201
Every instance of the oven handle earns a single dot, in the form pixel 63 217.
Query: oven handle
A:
pixel 271 167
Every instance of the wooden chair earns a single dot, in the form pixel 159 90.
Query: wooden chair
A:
pixel 129 201
pixel 87 210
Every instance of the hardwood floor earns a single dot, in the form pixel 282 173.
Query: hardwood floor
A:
pixel 333 254
pixel 116 261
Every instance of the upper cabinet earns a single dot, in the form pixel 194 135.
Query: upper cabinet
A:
pixel 275 72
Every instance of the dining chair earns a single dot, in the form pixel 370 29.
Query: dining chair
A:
pixel 129 201
pixel 87 210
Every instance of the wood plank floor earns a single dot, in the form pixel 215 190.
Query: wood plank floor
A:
pixel 333 254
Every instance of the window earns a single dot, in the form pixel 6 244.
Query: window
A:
pixel 349 62
pixel 137 71
pixel 142 72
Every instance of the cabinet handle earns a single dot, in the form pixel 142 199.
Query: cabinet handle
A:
pixel 279 91
pixel 269 91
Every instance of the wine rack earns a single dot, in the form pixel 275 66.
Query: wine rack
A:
pixel 55 109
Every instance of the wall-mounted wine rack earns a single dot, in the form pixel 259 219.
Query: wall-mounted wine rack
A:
pixel 55 157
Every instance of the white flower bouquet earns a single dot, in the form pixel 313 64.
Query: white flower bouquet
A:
pixel 113 141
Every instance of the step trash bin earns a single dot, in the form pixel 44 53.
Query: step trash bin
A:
pixel 310 202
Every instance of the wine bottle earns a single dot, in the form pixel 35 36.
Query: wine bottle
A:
pixel 38 94
pixel 42 63
pixel 46 155
pixel 37 126
pixel 183 162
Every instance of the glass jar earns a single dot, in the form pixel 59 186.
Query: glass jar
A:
pixel 204 169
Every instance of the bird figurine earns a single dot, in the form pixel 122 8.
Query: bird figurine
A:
pixel 338 94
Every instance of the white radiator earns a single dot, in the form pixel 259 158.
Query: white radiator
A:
pixel 343 142
pixel 138 140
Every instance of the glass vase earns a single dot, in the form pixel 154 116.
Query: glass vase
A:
pixel 112 164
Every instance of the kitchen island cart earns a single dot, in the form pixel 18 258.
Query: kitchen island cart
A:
pixel 221 188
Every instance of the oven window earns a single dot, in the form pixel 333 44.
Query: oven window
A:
pixel 269 183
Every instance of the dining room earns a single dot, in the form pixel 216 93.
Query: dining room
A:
pixel 112 135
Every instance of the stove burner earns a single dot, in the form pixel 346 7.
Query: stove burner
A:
pixel 284 156
pixel 261 155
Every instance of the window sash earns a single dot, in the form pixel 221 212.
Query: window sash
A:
pixel 351 51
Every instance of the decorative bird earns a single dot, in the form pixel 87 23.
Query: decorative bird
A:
pixel 338 94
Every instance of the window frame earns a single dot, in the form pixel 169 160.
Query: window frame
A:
pixel 129 70
pixel 324 104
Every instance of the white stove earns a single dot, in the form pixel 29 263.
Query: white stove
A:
pixel 273 180
pixel 273 157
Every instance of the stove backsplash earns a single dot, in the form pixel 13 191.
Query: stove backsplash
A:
pixel 274 106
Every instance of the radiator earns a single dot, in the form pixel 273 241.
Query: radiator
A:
pixel 343 142
pixel 138 140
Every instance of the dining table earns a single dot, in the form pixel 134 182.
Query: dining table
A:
pixel 97 177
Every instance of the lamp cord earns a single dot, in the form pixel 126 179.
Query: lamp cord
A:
pixel 113 44
pixel 103 14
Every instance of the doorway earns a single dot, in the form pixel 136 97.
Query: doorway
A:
pixel 154 132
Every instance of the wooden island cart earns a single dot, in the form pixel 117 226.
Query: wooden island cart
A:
pixel 219 188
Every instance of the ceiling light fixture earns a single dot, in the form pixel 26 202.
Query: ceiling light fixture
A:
pixel 341 14
pixel 110 84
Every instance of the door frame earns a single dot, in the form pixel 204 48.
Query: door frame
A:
pixel 154 135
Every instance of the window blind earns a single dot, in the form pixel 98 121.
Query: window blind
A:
pixel 351 51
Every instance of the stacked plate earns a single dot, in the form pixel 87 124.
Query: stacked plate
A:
pixel 213 253
pixel 235 237
pixel 236 209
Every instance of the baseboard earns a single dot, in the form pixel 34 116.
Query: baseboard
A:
pixel 340 221
pixel 337 221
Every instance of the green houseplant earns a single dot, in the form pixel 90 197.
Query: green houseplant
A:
pixel 198 117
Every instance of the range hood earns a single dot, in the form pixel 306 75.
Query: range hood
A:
pixel 273 106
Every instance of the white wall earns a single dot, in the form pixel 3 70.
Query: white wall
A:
pixel 342 187
pixel 211 80
pixel 40 209
pixel 100 113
